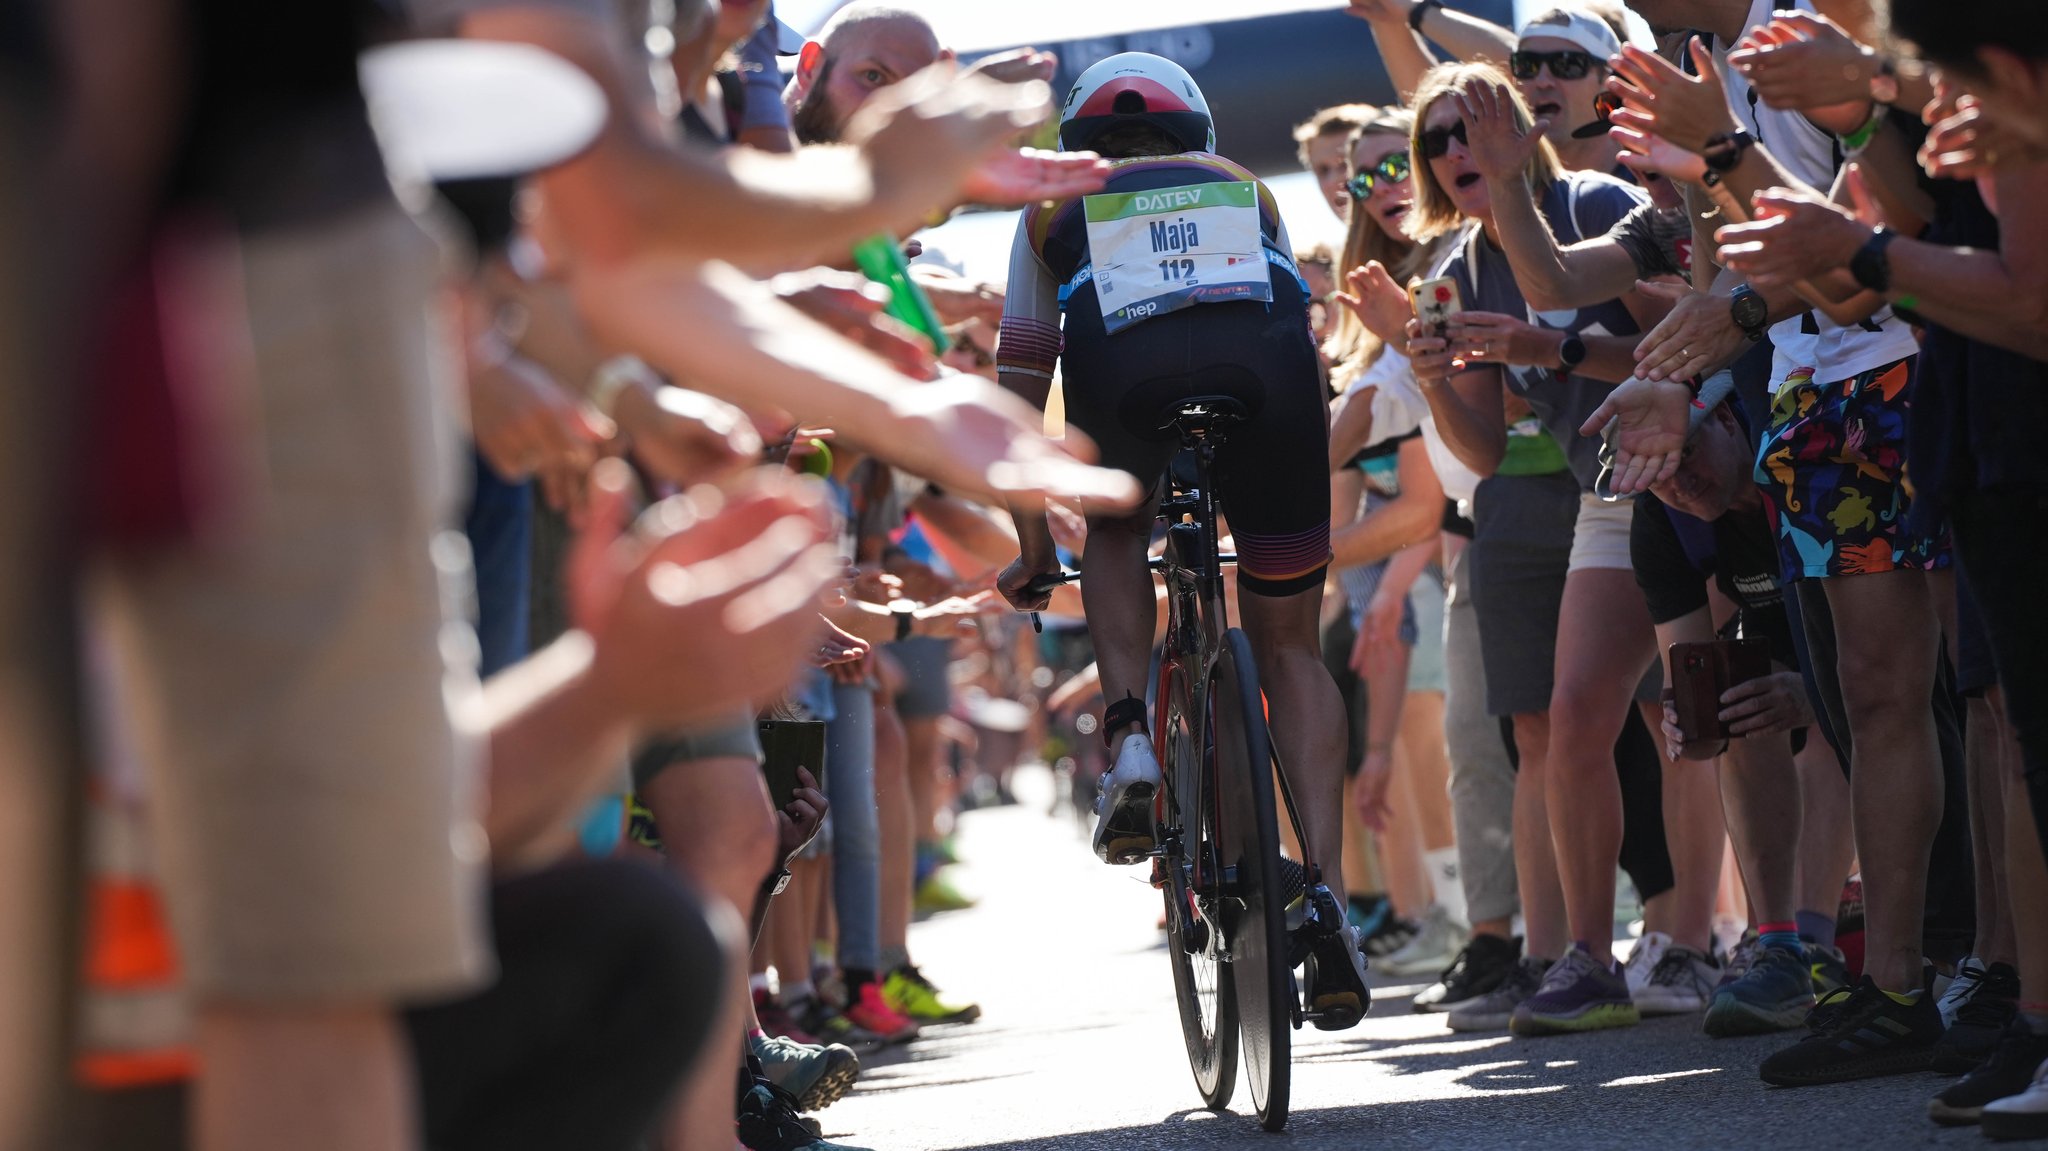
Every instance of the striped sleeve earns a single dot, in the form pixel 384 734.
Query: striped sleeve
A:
pixel 1029 340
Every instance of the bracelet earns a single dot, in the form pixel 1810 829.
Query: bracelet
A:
pixel 1421 9
pixel 1856 141
pixel 613 376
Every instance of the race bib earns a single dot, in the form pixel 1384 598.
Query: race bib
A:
pixel 1171 248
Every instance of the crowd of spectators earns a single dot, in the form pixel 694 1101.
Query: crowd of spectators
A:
pixel 513 611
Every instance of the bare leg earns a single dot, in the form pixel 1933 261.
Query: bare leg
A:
pixel 1887 639
pixel 2026 873
pixel 1604 642
pixel 1986 747
pixel 1697 839
pixel 1307 713
pixel 1429 765
pixel 320 1078
pixel 1401 844
pixel 892 800
pixel 1827 835
pixel 1121 607
pixel 1760 799
pixel 1543 922
pixel 924 749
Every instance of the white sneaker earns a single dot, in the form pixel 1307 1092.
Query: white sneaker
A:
pixel 1125 831
pixel 1432 949
pixel 1643 959
pixel 2022 1116
pixel 1683 981
pixel 1961 989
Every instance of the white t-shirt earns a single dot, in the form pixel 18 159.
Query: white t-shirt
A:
pixel 1398 408
pixel 1809 344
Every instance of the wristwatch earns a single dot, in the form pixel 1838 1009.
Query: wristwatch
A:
pixel 1749 312
pixel 1420 10
pixel 904 611
pixel 1572 352
pixel 1722 153
pixel 1870 266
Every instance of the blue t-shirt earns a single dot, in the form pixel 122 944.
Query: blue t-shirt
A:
pixel 1578 206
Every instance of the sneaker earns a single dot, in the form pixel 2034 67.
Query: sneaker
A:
pixel 1494 1010
pixel 1579 993
pixel 1433 947
pixel 1736 963
pixel 1125 831
pixel 1643 958
pixel 1968 977
pixel 1681 983
pixel 937 894
pixel 818 1076
pixel 776 1019
pixel 1858 1034
pixel 1479 968
pixel 1980 1019
pixel 871 1012
pixel 1392 935
pixel 2007 1071
pixel 1829 968
pixel 831 1025
pixel 912 995
pixel 2020 1116
pixel 768 1121
pixel 1775 994
pixel 1336 963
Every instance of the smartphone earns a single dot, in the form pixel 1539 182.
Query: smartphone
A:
pixel 1436 301
pixel 1702 672
pixel 787 744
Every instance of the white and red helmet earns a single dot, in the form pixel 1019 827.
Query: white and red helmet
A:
pixel 1137 86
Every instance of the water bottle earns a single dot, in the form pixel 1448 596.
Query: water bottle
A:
pixel 881 258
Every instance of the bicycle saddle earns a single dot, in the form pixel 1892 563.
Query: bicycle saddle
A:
pixel 1205 411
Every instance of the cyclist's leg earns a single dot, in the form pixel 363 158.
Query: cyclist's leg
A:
pixel 1307 714
pixel 1122 607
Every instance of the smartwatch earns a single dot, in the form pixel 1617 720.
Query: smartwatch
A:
pixel 904 612
pixel 1870 266
pixel 1750 313
pixel 1722 153
pixel 1572 352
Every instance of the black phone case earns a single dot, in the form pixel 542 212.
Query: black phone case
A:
pixel 787 744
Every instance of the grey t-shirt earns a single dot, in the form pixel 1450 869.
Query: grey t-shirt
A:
pixel 1659 241
pixel 1578 205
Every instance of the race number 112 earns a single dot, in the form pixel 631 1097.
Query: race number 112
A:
pixel 1176 269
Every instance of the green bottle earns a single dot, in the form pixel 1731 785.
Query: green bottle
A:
pixel 881 258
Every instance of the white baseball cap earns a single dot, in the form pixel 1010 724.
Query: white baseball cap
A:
pixel 465 109
pixel 1584 29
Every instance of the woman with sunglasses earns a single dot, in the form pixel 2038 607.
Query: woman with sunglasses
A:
pixel 1566 638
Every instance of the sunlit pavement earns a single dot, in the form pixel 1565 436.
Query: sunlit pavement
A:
pixel 1079 1046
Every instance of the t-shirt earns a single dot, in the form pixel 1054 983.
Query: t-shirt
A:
pixel 1809 344
pixel 1659 241
pixel 1578 206
pixel 1744 563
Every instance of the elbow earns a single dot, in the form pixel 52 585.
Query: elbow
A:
pixel 1546 292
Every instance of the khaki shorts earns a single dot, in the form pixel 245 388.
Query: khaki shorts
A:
pixel 314 808
pixel 1600 539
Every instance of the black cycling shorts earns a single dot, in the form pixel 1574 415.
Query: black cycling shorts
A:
pixel 1273 471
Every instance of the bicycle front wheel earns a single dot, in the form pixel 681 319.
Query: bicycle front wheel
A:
pixel 1256 916
pixel 1201 981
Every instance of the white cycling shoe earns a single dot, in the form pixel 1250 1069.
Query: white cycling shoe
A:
pixel 1125 830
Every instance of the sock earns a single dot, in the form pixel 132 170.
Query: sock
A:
pixel 799 992
pixel 2035 1015
pixel 1784 936
pixel 1444 886
pixel 1817 926
pixel 893 958
pixel 856 978
pixel 757 983
pixel 1902 998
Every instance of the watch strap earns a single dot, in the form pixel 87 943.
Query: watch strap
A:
pixel 1420 10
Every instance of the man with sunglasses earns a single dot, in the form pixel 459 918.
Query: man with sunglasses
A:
pixel 1560 65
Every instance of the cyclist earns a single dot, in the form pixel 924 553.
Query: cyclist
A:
pixel 1175 282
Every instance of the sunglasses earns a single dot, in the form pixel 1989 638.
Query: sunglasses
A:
pixel 1434 142
pixel 1568 65
pixel 1391 170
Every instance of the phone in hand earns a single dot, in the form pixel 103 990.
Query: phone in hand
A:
pixel 1436 301
pixel 787 744
pixel 1702 672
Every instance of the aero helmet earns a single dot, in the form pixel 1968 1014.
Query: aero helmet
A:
pixel 1137 86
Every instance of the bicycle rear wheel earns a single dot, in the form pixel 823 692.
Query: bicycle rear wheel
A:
pixel 1201 982
pixel 1256 918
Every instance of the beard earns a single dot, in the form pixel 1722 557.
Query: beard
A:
pixel 814 120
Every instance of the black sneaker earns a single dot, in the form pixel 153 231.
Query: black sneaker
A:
pixel 2007 1070
pixel 1859 1034
pixel 1478 969
pixel 768 1121
pixel 1980 1021
pixel 1390 936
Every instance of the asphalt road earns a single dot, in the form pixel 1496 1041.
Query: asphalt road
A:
pixel 1079 1047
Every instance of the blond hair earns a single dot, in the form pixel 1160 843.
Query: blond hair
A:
pixel 1338 119
pixel 1434 214
pixel 1350 347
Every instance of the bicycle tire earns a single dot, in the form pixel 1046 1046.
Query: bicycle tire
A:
pixel 1250 837
pixel 1201 982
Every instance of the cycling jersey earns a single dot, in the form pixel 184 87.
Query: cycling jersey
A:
pixel 1238 329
